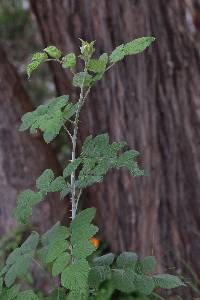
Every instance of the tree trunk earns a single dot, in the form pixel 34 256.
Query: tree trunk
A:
pixel 152 101
pixel 22 157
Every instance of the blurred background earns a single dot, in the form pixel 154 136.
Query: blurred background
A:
pixel 151 100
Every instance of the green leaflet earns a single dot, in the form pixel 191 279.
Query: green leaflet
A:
pixel 98 65
pixel 19 260
pixel 127 260
pixel 166 281
pixel 44 181
pixel 117 54
pixel 104 260
pixel 55 244
pixel 146 265
pixel 69 61
pixel 71 167
pixel 53 51
pixel 138 45
pixel 124 280
pixel 49 118
pixel 32 67
pixel 82 79
pixel 134 47
pixel 25 202
pixel 60 263
pixel 97 275
pixel 75 276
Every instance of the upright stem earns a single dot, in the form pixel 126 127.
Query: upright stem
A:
pixel 74 143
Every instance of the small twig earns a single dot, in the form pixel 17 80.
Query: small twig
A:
pixel 77 200
pixel 71 137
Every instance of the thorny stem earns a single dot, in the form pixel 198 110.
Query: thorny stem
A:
pixel 81 101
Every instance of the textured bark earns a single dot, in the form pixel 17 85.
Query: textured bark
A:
pixel 22 157
pixel 152 101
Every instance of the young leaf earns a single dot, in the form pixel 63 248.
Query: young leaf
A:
pixel 69 60
pixel 138 45
pixel 44 181
pixel 98 65
pixel 39 56
pixel 82 79
pixel 53 52
pixel 117 54
pixel 32 66
pixel 60 263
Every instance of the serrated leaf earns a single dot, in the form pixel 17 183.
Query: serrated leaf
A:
pixel 82 79
pixel 22 214
pixel 55 249
pixel 98 65
pixel 25 201
pixel 44 181
pixel 30 243
pixel 85 217
pixel 138 45
pixel 71 167
pixel 166 281
pixel 104 260
pixel 144 284
pixel 146 265
pixel 123 280
pixel 97 275
pixel 39 56
pixel 57 185
pixel 32 67
pixel 60 264
pixel 75 276
pixel 56 233
pixel 127 260
pixel 82 249
pixel 28 198
pixel 53 51
pixel 69 60
pixel 17 269
pixel 117 54
pixel 12 258
pixel 83 232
